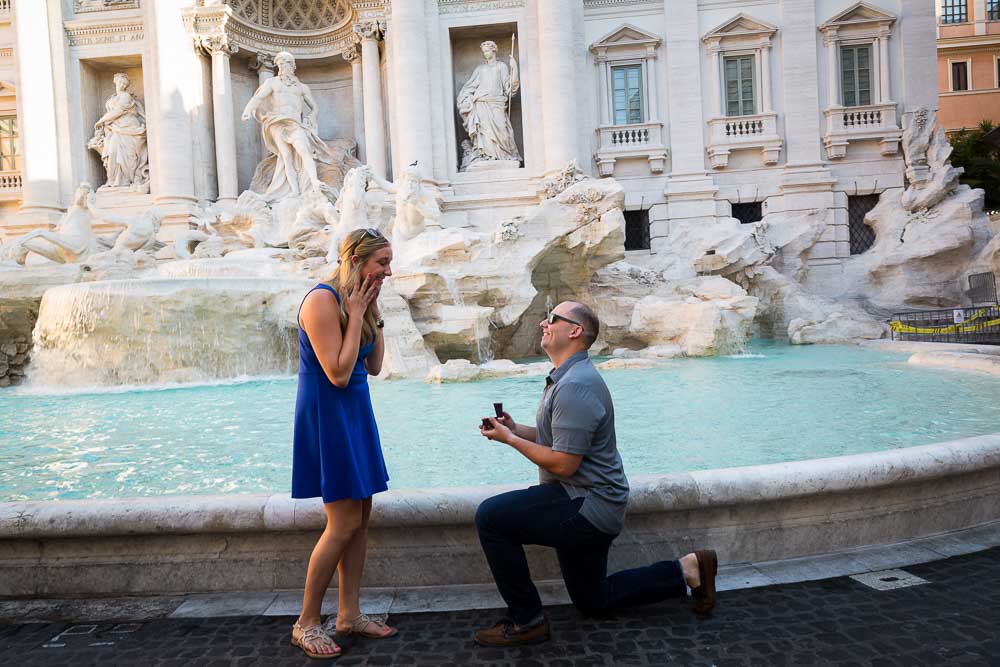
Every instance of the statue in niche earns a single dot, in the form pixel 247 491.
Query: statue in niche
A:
pixel 484 105
pixel 287 112
pixel 120 138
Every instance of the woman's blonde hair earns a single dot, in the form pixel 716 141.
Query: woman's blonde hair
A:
pixel 347 276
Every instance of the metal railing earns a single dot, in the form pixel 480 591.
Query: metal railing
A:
pixel 979 323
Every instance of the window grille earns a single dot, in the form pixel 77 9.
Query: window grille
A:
pixel 637 230
pixel 954 11
pixel 861 235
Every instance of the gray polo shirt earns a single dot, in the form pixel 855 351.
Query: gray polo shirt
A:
pixel 576 416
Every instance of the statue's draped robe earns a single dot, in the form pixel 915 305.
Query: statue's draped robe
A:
pixel 482 103
pixel 277 128
pixel 123 151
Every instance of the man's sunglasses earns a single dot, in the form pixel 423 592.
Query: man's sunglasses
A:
pixel 553 318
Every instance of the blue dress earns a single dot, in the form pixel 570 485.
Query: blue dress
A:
pixel 336 449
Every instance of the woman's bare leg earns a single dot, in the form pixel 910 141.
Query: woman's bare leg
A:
pixel 343 523
pixel 352 566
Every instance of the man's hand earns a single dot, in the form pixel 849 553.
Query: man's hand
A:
pixel 499 432
pixel 506 420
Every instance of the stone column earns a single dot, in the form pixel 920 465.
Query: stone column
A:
pixel 716 82
pixel 357 91
pixel 766 106
pixel 411 77
pixel 172 96
pixel 371 33
pixel 602 86
pixel 263 64
pixel 833 69
pixel 885 93
pixel 979 16
pixel 801 75
pixel 918 55
pixel 222 112
pixel 652 77
pixel 557 63
pixel 687 122
pixel 36 111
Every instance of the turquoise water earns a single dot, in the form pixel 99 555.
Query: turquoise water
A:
pixel 778 403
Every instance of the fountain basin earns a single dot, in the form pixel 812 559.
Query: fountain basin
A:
pixel 425 537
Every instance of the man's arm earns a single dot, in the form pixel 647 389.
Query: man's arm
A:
pixel 560 464
pixel 255 101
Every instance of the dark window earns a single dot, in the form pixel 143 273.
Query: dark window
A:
pixel 626 86
pixel 747 213
pixel 960 76
pixel 861 235
pixel 637 230
pixel 10 151
pixel 993 10
pixel 856 75
pixel 954 11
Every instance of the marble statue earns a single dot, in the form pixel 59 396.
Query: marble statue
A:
pixel 484 104
pixel 287 113
pixel 416 206
pixel 927 153
pixel 351 207
pixel 135 233
pixel 120 138
pixel 72 240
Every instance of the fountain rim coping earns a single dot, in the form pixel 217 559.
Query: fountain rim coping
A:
pixel 456 506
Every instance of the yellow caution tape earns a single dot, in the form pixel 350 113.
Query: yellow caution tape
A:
pixel 965 327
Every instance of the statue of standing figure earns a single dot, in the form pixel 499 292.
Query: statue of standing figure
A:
pixel 120 138
pixel 483 103
pixel 287 112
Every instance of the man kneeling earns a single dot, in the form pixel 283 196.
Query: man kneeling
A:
pixel 579 506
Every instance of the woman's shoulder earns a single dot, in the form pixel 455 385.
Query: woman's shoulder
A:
pixel 320 295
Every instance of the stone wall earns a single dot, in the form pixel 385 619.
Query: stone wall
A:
pixel 17 320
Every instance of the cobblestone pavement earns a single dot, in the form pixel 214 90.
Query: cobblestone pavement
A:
pixel 953 619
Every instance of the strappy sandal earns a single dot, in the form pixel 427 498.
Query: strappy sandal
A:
pixel 366 626
pixel 312 638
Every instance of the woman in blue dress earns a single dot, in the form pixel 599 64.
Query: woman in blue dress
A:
pixel 337 454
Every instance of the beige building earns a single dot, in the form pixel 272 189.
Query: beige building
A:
pixel 968 62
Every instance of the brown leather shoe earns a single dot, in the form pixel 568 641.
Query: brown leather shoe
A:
pixel 508 633
pixel 704 595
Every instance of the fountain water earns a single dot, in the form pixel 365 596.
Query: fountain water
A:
pixel 164 330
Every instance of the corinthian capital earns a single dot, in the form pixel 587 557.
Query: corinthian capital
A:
pixel 215 44
pixel 351 54
pixel 261 61
pixel 370 29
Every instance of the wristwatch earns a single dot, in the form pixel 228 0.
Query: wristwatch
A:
pixel 380 323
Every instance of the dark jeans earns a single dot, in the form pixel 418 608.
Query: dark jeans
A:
pixel 545 515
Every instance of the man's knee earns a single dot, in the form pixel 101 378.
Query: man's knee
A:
pixel 488 512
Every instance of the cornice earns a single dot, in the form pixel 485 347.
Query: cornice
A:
pixel 84 32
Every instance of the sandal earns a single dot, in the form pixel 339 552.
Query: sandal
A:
pixel 364 626
pixel 313 638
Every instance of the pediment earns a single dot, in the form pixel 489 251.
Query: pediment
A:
pixel 626 35
pixel 741 25
pixel 859 14
pixel 7 88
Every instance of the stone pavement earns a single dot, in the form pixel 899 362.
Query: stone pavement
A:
pixel 952 618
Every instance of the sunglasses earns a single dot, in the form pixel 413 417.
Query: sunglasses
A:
pixel 553 318
pixel 369 231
